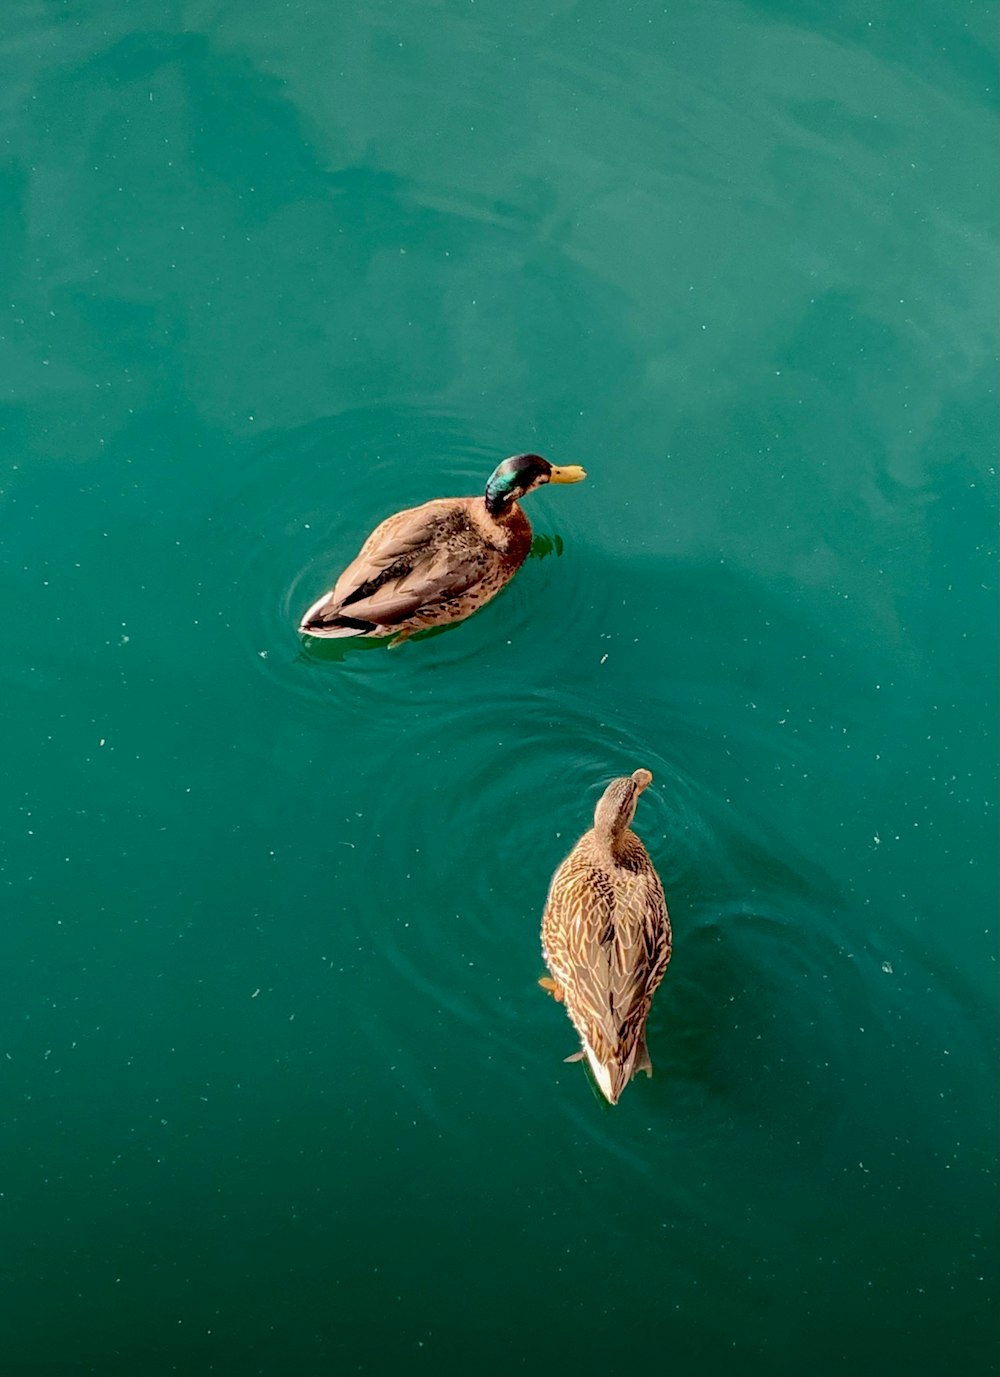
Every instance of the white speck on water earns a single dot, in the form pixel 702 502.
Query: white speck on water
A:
pixel 887 967
pixel 603 659
pixel 255 993
pixel 262 654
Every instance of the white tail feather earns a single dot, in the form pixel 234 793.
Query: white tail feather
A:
pixel 329 633
pixel 602 1075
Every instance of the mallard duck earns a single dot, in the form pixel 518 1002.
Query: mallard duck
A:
pixel 606 939
pixel 438 562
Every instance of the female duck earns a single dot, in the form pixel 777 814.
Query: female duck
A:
pixel 439 562
pixel 606 939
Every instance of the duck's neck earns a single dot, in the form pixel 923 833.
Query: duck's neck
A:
pixel 621 847
pixel 611 825
pixel 501 510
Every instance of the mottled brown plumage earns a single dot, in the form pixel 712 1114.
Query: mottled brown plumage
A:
pixel 606 939
pixel 439 562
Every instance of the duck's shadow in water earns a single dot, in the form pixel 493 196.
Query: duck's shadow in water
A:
pixel 335 650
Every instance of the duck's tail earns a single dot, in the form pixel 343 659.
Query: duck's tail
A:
pixel 336 626
pixel 613 1076
pixel 325 619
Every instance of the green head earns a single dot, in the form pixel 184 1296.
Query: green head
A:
pixel 520 474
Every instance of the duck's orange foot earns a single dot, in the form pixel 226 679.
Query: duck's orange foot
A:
pixel 553 987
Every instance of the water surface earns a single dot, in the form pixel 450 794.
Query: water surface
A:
pixel 280 1093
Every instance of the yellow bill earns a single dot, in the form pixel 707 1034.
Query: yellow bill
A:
pixel 569 473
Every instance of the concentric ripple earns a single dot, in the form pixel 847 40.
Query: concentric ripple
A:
pixel 312 484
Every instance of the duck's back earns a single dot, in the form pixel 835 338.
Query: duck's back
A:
pixel 606 935
pixel 432 563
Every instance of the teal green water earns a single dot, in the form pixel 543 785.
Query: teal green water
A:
pixel 280 1094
